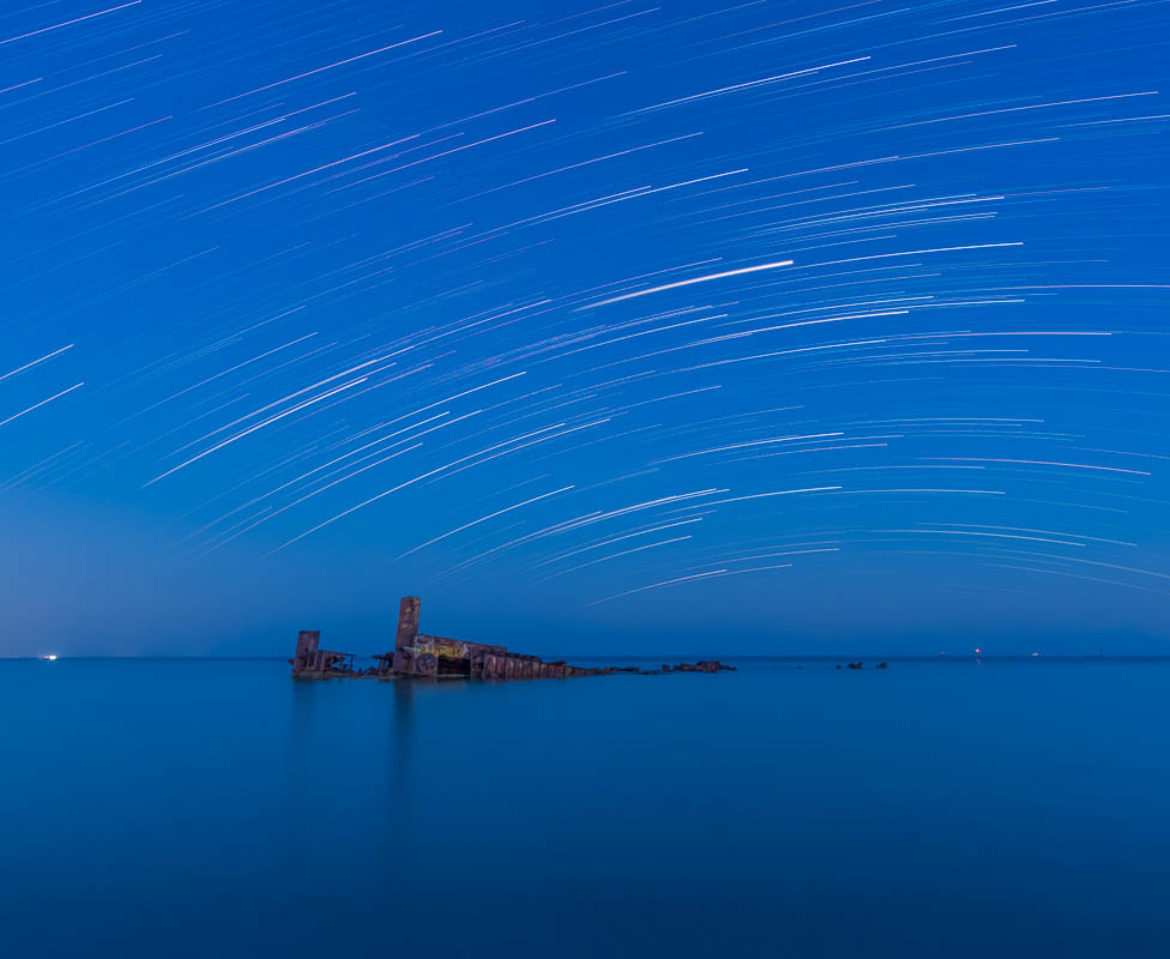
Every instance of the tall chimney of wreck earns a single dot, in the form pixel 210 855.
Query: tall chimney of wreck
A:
pixel 407 622
pixel 308 642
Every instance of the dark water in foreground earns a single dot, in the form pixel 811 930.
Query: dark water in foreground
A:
pixel 217 809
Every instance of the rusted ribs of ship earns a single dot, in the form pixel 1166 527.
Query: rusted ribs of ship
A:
pixel 436 657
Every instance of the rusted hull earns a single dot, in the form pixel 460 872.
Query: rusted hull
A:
pixel 417 655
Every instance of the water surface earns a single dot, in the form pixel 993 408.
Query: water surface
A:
pixel 215 808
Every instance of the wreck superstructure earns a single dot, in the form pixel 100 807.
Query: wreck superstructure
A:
pixel 437 657
pixel 310 659
pixel 417 654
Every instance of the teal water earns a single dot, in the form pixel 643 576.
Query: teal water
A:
pixel 215 808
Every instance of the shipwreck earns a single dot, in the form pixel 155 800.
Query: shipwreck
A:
pixel 417 654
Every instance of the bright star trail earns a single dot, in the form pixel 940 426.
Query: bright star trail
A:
pixel 582 315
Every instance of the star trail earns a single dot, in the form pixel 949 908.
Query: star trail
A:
pixel 794 320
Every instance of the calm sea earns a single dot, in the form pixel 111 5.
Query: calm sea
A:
pixel 217 809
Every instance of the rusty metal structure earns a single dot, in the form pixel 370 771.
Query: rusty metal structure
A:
pixel 417 654
pixel 311 660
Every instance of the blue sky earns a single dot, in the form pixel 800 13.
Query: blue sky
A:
pixel 759 327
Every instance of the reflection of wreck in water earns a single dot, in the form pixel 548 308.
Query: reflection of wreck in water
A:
pixel 417 654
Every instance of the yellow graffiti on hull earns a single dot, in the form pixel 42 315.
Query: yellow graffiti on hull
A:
pixel 447 648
